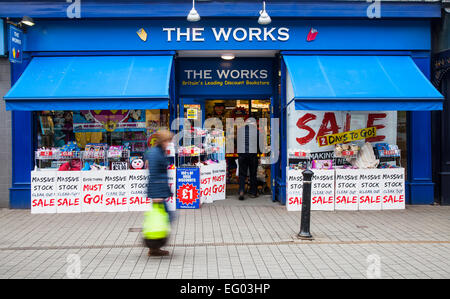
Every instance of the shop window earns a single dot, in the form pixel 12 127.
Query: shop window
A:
pixel 72 131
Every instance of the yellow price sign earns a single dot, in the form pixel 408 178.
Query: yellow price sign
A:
pixel 348 136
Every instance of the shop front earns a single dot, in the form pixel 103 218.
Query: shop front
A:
pixel 319 89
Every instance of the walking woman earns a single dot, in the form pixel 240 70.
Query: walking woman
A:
pixel 158 184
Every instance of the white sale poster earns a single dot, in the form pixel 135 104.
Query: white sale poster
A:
pixel 305 126
pixel 116 191
pixel 294 189
pixel 43 192
pixel 322 190
pixel 206 177
pixel 92 191
pixel 68 192
pixel 370 189
pixel 137 190
pixel 347 189
pixel 171 201
pixel 219 181
pixel 393 192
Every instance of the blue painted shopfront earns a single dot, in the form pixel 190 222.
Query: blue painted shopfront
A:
pixel 343 31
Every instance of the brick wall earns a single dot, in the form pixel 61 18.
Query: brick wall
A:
pixel 5 135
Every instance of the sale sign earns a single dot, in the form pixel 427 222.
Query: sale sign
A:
pixel 43 192
pixel 322 190
pixel 92 191
pixel 346 137
pixel 370 189
pixel 347 189
pixel 206 183
pixel 393 192
pixel 304 127
pixel 294 189
pixel 137 191
pixel 171 201
pixel 188 188
pixel 219 180
pixel 116 191
pixel 68 192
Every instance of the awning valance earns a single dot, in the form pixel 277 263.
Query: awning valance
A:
pixel 359 83
pixel 92 82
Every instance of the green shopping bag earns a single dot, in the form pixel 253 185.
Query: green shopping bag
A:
pixel 156 223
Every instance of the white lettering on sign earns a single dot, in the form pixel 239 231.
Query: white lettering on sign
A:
pixel 239 34
pixel 227 74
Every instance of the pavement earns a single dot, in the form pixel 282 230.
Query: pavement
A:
pixel 254 238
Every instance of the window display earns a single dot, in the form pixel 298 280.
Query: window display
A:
pixel 96 139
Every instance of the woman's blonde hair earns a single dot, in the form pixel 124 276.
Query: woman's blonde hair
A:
pixel 162 136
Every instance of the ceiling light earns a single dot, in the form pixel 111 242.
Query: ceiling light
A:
pixel 227 56
pixel 193 14
pixel 264 18
pixel 27 21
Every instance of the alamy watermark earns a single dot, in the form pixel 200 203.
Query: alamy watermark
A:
pixel 374 9
pixel 374 267
pixel 74 9
pixel 73 270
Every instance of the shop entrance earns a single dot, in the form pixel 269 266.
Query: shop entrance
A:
pixel 227 109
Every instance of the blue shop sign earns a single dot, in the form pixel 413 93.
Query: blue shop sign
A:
pixel 249 76
pixel 15 44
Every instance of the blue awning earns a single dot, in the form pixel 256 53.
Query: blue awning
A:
pixel 359 83
pixel 92 83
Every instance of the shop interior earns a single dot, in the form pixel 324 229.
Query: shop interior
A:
pixel 233 109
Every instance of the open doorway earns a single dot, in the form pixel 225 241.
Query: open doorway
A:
pixel 233 109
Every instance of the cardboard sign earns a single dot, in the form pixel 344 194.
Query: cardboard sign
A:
pixel 68 191
pixel 116 191
pixel 43 192
pixel 346 137
pixel 347 189
pixel 137 191
pixel 294 189
pixel 191 113
pixel 206 174
pixel 393 192
pixel 219 180
pixel 370 189
pixel 188 188
pixel 92 191
pixel 322 190
pixel 171 202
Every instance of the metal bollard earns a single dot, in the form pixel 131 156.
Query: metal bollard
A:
pixel 306 206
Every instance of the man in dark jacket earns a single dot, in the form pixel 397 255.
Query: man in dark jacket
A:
pixel 248 156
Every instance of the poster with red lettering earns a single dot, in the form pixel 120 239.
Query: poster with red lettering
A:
pixel 294 189
pixel 393 192
pixel 347 189
pixel 43 192
pixel 171 201
pixel 116 191
pixel 322 190
pixel 137 190
pixel 218 181
pixel 305 126
pixel 370 189
pixel 93 191
pixel 68 192
pixel 206 177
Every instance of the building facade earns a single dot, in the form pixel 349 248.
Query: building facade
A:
pixel 321 68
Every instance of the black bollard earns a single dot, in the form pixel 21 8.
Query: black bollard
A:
pixel 306 206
